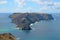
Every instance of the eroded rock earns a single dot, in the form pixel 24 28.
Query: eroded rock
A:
pixel 7 36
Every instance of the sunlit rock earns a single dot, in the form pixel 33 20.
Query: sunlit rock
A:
pixel 7 36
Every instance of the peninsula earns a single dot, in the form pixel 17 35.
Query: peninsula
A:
pixel 23 20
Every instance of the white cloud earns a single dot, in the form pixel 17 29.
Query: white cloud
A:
pixel 3 2
pixel 20 3
pixel 48 4
pixel 42 2
pixel 45 5
pixel 57 5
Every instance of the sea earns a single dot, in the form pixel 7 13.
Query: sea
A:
pixel 43 30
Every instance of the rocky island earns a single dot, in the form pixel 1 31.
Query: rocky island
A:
pixel 23 20
pixel 7 36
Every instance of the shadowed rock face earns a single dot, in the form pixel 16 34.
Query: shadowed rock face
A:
pixel 23 20
pixel 7 36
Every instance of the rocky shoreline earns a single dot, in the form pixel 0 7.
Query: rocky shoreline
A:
pixel 7 36
pixel 23 20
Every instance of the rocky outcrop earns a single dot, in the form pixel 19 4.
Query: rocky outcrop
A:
pixel 23 20
pixel 7 36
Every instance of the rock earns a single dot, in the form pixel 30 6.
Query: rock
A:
pixel 23 20
pixel 7 36
pixel 26 28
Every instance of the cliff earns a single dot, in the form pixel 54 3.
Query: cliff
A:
pixel 23 20
pixel 7 36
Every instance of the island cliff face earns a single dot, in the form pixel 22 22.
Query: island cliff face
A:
pixel 7 36
pixel 23 20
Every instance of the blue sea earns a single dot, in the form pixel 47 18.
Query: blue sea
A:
pixel 43 30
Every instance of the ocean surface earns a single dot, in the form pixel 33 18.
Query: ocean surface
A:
pixel 43 30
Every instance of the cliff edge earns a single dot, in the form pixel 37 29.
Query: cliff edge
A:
pixel 7 36
pixel 23 20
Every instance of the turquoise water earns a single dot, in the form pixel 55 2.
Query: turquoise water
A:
pixel 43 30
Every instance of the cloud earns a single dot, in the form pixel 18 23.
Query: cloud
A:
pixel 57 5
pixel 3 2
pixel 46 2
pixel 20 3
pixel 48 5
pixel 44 5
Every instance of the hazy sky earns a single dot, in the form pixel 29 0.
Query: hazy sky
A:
pixel 47 6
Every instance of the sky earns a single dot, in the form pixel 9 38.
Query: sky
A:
pixel 40 6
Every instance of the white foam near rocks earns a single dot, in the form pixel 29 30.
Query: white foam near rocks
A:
pixel 18 38
pixel 16 28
